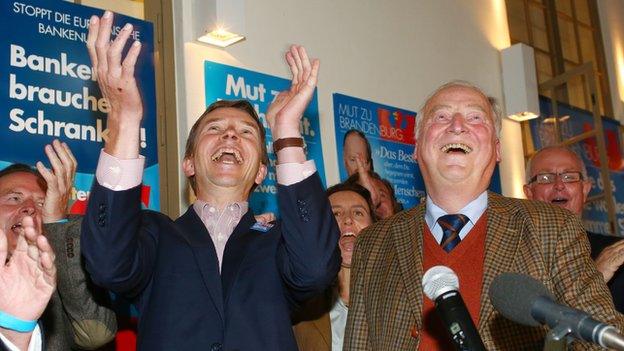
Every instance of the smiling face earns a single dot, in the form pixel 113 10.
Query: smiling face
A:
pixel 227 155
pixel 457 144
pixel 385 208
pixel 570 196
pixel 352 214
pixel 20 195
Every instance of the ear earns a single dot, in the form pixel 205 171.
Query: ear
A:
pixel 528 192
pixel 586 188
pixel 262 172
pixel 188 166
pixel 415 154
pixel 498 150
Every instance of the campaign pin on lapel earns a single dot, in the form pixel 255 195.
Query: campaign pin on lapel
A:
pixel 262 227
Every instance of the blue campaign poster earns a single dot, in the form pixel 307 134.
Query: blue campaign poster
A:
pixel 574 121
pixel 225 82
pixel 390 133
pixel 49 90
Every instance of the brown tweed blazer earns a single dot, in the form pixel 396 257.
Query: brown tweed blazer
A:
pixel 523 236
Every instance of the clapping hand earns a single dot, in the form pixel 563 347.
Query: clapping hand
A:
pixel 117 83
pixel 284 114
pixel 28 277
pixel 59 180
pixel 610 260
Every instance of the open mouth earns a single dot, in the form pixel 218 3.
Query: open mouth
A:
pixel 17 228
pixel 559 201
pixel 227 156
pixel 347 242
pixel 455 148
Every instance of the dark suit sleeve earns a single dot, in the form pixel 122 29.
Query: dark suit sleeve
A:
pixel 118 240
pixel 87 307
pixel 308 255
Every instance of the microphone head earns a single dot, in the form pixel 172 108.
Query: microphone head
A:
pixel 438 280
pixel 514 294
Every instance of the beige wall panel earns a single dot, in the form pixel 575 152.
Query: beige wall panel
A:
pixel 393 52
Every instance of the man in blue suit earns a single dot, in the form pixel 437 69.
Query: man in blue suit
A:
pixel 213 279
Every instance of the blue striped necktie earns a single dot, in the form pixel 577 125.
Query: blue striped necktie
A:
pixel 451 226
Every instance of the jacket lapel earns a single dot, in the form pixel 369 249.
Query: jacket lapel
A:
pixel 503 234
pixel 407 237
pixel 205 254
pixel 235 252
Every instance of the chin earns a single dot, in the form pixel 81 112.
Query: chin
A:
pixel 455 177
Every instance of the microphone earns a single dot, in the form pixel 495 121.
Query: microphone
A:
pixel 524 300
pixel 441 285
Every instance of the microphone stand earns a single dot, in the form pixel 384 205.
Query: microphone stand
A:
pixel 557 339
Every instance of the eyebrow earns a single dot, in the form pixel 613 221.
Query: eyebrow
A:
pixel 21 193
pixel 11 191
pixel 478 107
pixel 438 107
pixel 245 122
pixel 566 170
pixel 360 207
pixel 252 124
pixel 351 207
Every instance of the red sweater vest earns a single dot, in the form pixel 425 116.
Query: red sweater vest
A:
pixel 466 260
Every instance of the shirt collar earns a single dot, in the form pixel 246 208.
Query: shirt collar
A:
pixel 205 210
pixel 473 210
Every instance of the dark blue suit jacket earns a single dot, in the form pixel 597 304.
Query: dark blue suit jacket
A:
pixel 171 270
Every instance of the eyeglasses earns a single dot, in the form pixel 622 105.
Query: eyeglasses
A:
pixel 549 178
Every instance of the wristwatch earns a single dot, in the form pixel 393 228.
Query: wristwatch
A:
pixel 287 142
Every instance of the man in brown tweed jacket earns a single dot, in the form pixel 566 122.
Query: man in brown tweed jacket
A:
pixel 457 148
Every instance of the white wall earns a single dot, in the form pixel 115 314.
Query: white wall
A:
pixel 611 14
pixel 393 52
pixel 127 7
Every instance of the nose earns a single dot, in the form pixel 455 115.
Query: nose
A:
pixel 559 184
pixel 347 219
pixel 457 125
pixel 230 133
pixel 29 208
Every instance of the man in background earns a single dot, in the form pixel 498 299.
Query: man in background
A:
pixel 558 176
pixel 385 203
pixel 78 315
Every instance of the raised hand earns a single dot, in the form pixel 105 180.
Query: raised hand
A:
pixel 284 114
pixel 610 260
pixel 117 83
pixel 28 278
pixel 365 180
pixel 59 180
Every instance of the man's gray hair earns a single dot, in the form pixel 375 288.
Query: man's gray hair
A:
pixel 574 155
pixel 497 112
